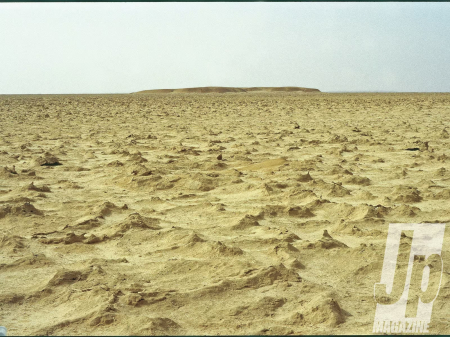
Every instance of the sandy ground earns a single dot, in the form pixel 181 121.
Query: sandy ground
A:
pixel 205 213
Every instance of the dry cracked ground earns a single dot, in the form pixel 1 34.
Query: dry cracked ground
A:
pixel 252 213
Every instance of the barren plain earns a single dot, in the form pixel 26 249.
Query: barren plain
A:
pixel 235 213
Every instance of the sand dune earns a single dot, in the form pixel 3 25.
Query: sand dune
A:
pixel 262 211
pixel 204 90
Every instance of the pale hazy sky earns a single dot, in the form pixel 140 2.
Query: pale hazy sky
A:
pixel 50 48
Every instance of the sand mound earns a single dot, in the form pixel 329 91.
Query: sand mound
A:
pixel 356 180
pixel 293 211
pixel 115 163
pixel 288 255
pixel 201 248
pixel 364 211
pixel 300 195
pixel 63 277
pixel 200 182
pixel 26 209
pixel 361 228
pixel 338 169
pixel 135 220
pixel 148 182
pixel 406 194
pixel 336 139
pixel 405 211
pixel 325 311
pixel 363 195
pixel 268 164
pixel 138 170
pixel 105 209
pixel 299 212
pixel 71 237
pixel 32 187
pixel 304 177
pixel 255 278
pixel 350 228
pixel 327 242
pixel 441 173
pixel 86 223
pixel 248 221
pixel 443 195
pixel 153 326
pixel 11 243
pixel 6 172
pixel 426 183
pixel 260 308
pixel 33 261
pixel 337 190
pixel 47 159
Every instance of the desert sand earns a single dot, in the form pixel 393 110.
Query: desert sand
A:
pixel 244 212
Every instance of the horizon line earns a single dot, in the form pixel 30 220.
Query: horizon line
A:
pixel 321 92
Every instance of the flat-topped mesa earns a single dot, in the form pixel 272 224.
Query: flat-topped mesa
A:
pixel 275 89
pixel 221 90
